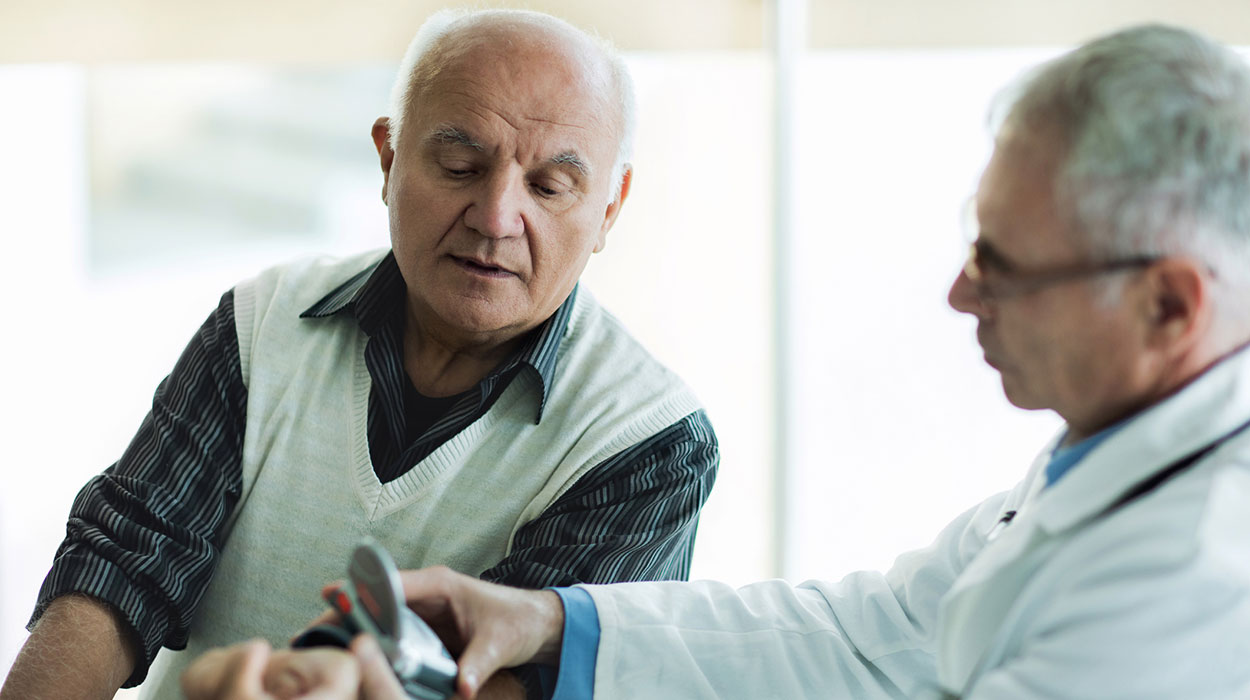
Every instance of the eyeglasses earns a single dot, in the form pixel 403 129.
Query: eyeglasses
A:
pixel 993 277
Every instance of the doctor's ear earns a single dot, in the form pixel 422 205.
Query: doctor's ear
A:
pixel 1180 300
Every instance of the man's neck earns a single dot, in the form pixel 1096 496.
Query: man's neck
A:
pixel 441 363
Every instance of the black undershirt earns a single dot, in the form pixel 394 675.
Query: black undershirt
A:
pixel 421 412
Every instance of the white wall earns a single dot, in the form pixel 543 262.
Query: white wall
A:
pixel 897 424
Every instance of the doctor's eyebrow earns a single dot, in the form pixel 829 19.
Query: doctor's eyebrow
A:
pixel 991 256
pixel 451 136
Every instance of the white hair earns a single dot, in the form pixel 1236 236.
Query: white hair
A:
pixel 1153 127
pixel 423 60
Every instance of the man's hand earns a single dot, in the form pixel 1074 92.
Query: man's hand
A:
pixel 252 671
pixel 489 626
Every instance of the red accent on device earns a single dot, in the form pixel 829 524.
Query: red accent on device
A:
pixel 342 603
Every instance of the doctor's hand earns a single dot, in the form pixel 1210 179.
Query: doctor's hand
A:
pixel 378 680
pixel 485 625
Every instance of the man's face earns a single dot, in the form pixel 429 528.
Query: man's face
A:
pixel 1057 345
pixel 500 187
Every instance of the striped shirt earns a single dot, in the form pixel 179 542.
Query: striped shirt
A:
pixel 144 536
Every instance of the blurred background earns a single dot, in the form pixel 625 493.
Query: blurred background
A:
pixel 800 170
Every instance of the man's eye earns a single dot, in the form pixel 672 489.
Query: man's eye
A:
pixel 456 173
pixel 546 190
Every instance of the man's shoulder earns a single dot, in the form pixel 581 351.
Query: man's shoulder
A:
pixel 596 341
pixel 603 366
pixel 320 272
pixel 303 281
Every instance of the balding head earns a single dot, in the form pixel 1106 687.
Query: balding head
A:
pixel 450 35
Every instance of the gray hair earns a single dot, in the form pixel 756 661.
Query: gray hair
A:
pixel 423 60
pixel 1153 127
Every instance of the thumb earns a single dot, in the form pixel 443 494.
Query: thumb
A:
pixel 251 667
pixel 480 660
pixel 378 681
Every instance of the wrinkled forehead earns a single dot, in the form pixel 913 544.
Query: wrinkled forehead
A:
pixel 537 86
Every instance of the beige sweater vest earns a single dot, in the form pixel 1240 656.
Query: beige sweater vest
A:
pixel 309 489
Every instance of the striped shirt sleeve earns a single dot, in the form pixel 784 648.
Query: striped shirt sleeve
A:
pixel 631 518
pixel 143 536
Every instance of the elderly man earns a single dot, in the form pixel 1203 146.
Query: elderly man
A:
pixel 1109 279
pixel 456 398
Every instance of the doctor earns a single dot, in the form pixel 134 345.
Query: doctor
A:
pixel 1109 277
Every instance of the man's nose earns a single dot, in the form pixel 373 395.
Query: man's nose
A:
pixel 497 208
pixel 964 297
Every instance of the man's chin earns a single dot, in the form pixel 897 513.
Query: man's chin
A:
pixel 478 316
pixel 481 324
pixel 1018 397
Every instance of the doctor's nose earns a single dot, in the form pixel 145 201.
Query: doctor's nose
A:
pixel 496 210
pixel 965 297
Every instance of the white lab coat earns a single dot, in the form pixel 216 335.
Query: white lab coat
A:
pixel 1150 601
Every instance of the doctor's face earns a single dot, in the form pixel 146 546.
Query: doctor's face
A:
pixel 500 187
pixel 1044 317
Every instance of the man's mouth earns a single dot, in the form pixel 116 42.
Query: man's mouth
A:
pixel 987 355
pixel 483 268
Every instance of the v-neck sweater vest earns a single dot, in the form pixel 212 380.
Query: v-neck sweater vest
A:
pixel 310 492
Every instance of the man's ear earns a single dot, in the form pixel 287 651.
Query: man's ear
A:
pixel 1179 305
pixel 614 207
pixel 382 141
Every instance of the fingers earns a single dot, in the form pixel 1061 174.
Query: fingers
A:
pixel 497 626
pixel 249 668
pixel 377 680
pixel 312 673
pixel 430 582
pixel 251 671
pixel 479 661
pixel 430 591
pixel 233 673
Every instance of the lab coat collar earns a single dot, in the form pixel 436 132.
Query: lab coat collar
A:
pixel 1206 410
pixel 1212 406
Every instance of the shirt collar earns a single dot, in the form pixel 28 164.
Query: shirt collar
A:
pixel 1208 408
pixel 374 296
pixel 1064 457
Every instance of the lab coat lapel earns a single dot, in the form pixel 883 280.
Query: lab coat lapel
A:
pixel 974 608
pixel 1207 410
pixel 971 615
